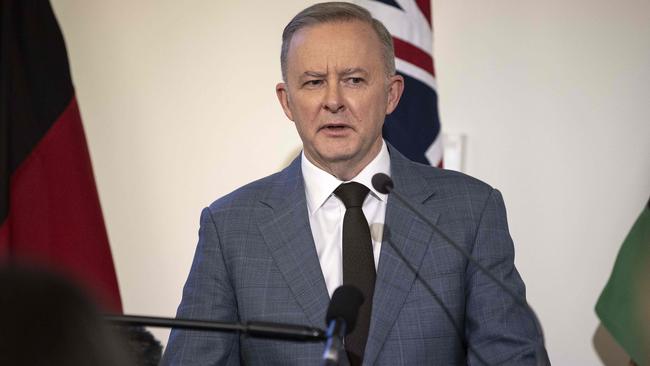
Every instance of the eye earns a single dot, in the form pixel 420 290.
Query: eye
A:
pixel 313 83
pixel 355 80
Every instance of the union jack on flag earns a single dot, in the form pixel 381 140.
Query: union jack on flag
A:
pixel 414 127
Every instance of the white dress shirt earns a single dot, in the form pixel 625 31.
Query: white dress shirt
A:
pixel 326 213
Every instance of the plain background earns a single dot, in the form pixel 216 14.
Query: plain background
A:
pixel 179 108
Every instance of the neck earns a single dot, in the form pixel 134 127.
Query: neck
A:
pixel 345 170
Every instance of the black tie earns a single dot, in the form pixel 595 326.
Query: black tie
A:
pixel 358 263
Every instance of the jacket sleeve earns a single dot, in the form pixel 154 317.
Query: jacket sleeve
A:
pixel 207 295
pixel 498 331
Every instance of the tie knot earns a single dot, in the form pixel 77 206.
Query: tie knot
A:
pixel 352 194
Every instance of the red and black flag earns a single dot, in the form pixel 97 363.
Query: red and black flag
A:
pixel 49 207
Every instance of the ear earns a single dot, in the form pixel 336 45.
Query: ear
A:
pixel 395 90
pixel 282 91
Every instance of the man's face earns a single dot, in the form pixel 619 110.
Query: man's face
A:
pixel 337 93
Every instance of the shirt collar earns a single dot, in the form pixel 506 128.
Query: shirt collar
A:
pixel 320 184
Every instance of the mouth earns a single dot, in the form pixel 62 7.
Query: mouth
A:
pixel 336 130
pixel 335 127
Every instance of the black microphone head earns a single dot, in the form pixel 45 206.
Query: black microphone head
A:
pixel 345 304
pixel 382 183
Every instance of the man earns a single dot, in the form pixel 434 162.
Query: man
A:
pixel 276 249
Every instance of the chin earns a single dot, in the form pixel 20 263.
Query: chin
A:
pixel 337 155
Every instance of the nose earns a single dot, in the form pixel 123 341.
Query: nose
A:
pixel 333 99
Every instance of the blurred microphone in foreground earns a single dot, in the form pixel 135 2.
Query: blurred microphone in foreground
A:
pixel 341 318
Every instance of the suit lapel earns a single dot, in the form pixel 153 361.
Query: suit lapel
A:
pixel 283 220
pixel 284 223
pixel 405 242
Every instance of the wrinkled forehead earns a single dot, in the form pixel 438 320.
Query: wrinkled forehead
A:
pixel 334 45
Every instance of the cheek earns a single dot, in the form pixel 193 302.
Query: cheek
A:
pixel 374 98
pixel 304 119
pixel 372 108
pixel 305 109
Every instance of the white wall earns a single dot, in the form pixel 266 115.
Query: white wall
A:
pixel 179 107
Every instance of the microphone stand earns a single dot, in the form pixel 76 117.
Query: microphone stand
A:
pixel 290 332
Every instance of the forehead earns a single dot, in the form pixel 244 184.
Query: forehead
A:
pixel 346 44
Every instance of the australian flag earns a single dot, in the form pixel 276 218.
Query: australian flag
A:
pixel 414 127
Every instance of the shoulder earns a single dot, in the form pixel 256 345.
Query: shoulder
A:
pixel 443 181
pixel 450 191
pixel 261 190
pixel 450 182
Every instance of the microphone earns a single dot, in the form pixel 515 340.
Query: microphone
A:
pixel 384 184
pixel 341 319
pixel 256 329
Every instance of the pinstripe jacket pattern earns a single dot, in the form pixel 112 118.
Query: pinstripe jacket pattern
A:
pixel 256 260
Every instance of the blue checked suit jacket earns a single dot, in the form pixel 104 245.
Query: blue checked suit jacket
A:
pixel 256 260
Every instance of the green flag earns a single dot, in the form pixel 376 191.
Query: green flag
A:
pixel 624 304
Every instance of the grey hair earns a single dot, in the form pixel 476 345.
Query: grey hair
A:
pixel 337 12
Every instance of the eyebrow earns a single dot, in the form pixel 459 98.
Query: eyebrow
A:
pixel 315 74
pixel 354 70
pixel 349 71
